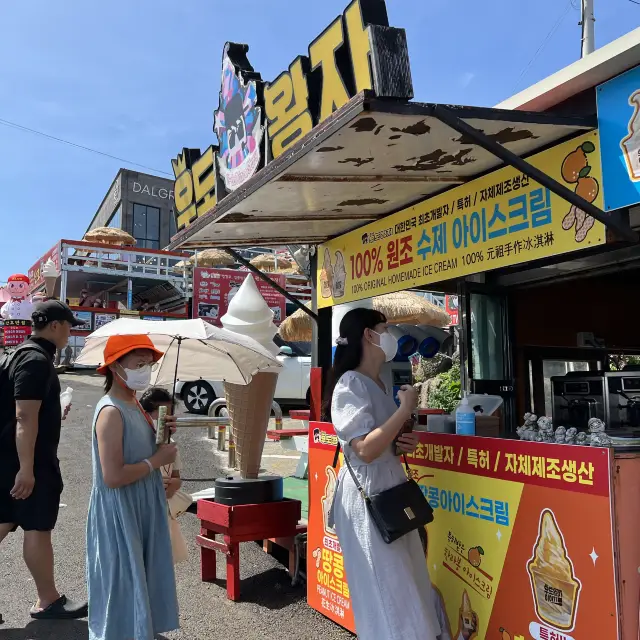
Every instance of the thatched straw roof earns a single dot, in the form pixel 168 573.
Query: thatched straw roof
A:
pixel 212 258
pixel 402 307
pixel 107 235
pixel 267 262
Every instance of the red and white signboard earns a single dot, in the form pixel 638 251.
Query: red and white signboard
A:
pixel 213 289
pixel 451 307
pixel 35 273
pixel 16 332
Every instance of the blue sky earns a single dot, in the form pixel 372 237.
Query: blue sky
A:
pixel 139 79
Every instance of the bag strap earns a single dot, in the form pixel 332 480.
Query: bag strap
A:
pixel 353 475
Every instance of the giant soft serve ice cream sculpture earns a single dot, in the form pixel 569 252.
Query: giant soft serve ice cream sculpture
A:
pixel 50 274
pixel 249 405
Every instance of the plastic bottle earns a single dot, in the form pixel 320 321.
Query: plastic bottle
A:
pixel 465 418
pixel 65 398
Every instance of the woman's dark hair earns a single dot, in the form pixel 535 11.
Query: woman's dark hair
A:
pixel 108 380
pixel 348 356
pixel 154 397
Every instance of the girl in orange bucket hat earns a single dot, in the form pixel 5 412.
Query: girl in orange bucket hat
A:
pixel 130 575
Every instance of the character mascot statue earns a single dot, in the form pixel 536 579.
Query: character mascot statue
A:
pixel 20 307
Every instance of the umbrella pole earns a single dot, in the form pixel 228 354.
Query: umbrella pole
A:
pixel 175 380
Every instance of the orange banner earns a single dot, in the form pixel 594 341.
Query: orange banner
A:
pixel 521 545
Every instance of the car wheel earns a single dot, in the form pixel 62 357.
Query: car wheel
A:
pixel 308 398
pixel 197 396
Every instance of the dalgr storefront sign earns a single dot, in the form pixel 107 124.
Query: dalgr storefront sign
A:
pixel 153 191
pixel 499 220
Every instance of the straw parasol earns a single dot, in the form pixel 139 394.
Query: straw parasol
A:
pixel 180 267
pixel 267 262
pixel 402 307
pixel 107 235
pixel 212 258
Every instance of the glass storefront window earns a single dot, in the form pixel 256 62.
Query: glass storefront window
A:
pixel 146 226
pixel 487 334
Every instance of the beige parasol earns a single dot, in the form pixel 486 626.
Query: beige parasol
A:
pixel 267 262
pixel 212 258
pixel 402 307
pixel 107 235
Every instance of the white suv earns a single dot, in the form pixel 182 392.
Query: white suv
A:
pixel 292 388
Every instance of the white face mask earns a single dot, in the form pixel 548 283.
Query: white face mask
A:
pixel 138 379
pixel 388 344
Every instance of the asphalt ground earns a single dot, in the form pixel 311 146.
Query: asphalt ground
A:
pixel 270 609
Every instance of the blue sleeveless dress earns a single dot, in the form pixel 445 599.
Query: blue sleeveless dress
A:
pixel 130 576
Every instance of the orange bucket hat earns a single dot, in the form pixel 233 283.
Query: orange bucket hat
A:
pixel 118 346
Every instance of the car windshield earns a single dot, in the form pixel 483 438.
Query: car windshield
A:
pixel 300 349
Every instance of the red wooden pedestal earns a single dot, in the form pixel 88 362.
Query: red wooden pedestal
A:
pixel 236 524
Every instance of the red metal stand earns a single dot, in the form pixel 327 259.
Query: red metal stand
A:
pixel 236 524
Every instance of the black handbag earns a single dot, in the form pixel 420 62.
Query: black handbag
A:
pixel 398 510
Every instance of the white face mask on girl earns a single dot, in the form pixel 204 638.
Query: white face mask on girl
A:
pixel 138 379
pixel 388 344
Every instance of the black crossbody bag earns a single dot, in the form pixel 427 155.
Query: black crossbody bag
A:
pixel 396 511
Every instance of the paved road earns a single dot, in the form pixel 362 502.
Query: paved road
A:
pixel 271 608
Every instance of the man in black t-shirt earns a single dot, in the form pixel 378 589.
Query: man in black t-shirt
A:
pixel 30 479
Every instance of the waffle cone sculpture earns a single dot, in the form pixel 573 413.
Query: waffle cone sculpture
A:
pixel 249 405
pixel 249 409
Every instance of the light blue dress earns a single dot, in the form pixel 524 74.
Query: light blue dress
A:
pixel 391 591
pixel 130 576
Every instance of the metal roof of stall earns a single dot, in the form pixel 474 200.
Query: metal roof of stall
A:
pixel 369 159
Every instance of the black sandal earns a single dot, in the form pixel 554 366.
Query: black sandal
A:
pixel 61 609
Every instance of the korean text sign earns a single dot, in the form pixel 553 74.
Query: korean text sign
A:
pixel 501 219
pixel 213 289
pixel 357 52
pixel 521 545
pixel 327 587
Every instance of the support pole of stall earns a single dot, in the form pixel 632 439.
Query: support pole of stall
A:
pixel 63 284
pixel 245 263
pixel 448 116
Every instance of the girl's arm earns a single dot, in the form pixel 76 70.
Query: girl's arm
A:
pixel 116 474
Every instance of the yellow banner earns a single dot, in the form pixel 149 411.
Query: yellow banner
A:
pixel 499 220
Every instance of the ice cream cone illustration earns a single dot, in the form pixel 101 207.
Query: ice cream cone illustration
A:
pixel 468 617
pixel 326 275
pixel 631 144
pixel 249 405
pixel 327 499
pixel 339 276
pixel 554 584
pixel 575 170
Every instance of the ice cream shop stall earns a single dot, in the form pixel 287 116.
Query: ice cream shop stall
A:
pixel 535 515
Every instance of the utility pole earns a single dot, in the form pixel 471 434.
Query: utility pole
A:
pixel 588 28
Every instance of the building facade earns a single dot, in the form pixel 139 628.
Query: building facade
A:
pixel 140 204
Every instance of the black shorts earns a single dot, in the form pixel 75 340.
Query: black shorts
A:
pixel 39 512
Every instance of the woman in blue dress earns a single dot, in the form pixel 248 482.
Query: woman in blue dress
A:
pixel 130 575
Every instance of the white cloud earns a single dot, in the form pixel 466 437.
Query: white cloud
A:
pixel 466 79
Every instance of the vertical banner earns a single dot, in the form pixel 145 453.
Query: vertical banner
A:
pixel 16 332
pixel 213 290
pixel 521 545
pixel 327 587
